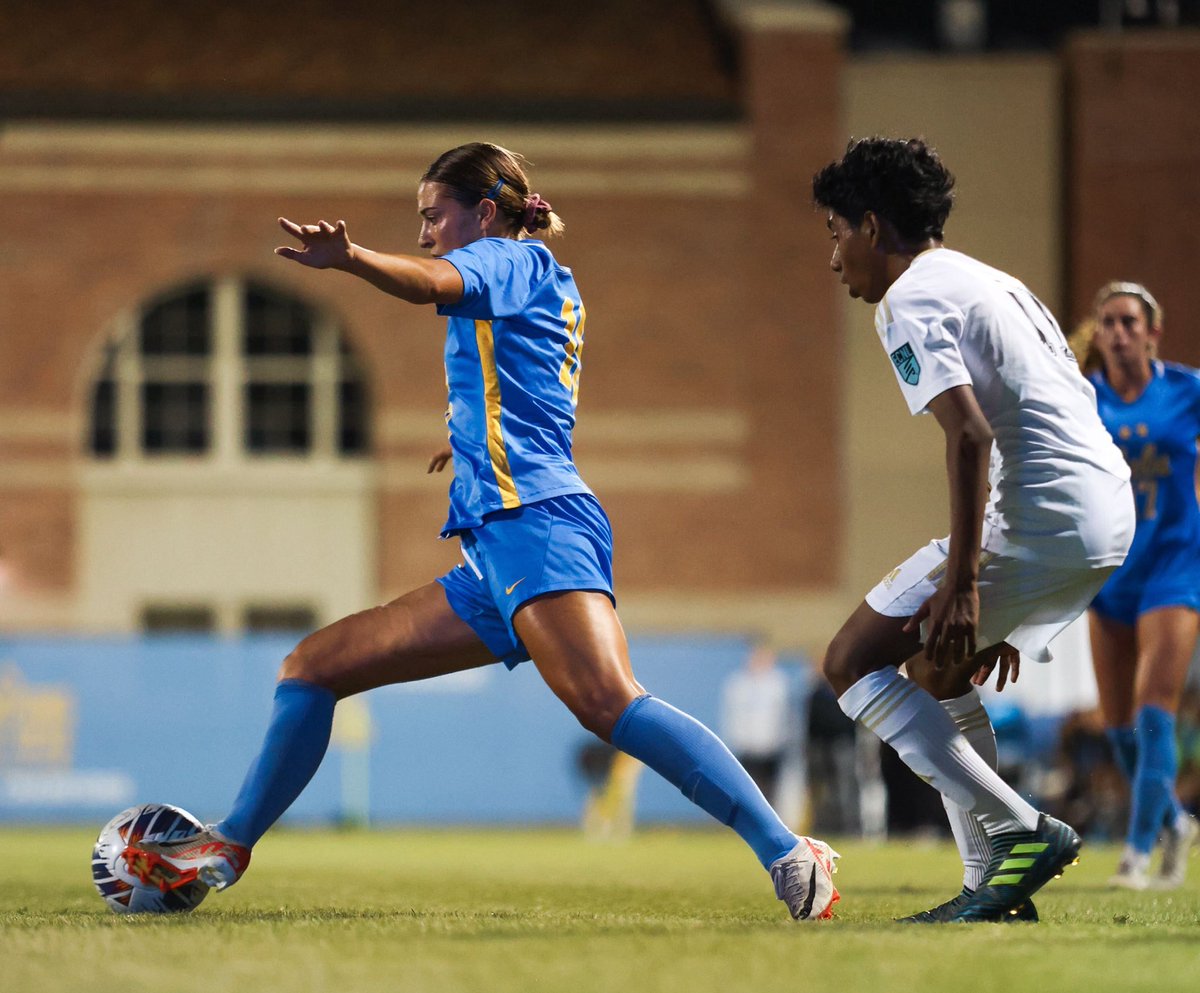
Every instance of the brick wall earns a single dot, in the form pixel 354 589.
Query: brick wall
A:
pixel 709 395
pixel 206 55
pixel 1134 168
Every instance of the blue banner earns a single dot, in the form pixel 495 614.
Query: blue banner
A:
pixel 89 726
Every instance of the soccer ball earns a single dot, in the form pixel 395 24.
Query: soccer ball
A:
pixel 120 889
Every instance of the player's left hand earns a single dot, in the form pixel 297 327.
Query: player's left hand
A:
pixel 325 245
pixel 953 618
pixel 439 459
pixel 1006 659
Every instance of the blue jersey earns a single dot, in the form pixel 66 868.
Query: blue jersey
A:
pixel 1157 433
pixel 513 353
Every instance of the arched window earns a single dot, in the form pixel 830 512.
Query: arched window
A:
pixel 214 403
pixel 231 368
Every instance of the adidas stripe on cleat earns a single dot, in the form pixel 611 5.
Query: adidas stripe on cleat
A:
pixel 208 857
pixel 804 880
pixel 1022 863
pixel 943 913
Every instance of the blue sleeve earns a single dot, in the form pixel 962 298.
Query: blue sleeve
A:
pixel 498 275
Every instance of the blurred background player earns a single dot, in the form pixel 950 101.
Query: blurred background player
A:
pixel 536 581
pixel 1144 621
pixel 1040 511
pixel 611 778
pixel 759 718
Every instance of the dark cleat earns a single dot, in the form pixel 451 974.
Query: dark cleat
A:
pixel 1022 863
pixel 945 912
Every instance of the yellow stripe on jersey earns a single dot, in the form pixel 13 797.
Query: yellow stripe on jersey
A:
pixel 569 319
pixel 568 375
pixel 578 352
pixel 491 402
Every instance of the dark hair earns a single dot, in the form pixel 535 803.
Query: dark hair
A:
pixel 481 170
pixel 900 179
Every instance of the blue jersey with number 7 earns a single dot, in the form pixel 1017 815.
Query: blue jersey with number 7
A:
pixel 513 353
pixel 1157 434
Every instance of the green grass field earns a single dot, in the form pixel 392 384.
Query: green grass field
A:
pixel 502 911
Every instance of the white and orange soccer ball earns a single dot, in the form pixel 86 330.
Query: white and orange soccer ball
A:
pixel 117 885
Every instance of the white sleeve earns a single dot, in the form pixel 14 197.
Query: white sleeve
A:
pixel 921 337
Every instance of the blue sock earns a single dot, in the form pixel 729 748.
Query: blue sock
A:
pixel 1124 748
pixel 1154 802
pixel 291 754
pixel 688 755
pixel 1125 753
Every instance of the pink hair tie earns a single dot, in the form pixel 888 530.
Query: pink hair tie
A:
pixel 533 204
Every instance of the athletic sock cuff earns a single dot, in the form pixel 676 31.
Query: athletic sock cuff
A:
pixel 969 715
pixel 962 706
pixel 876 695
pixel 303 685
pixel 622 724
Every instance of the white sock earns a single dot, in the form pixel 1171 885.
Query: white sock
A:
pixel 1135 860
pixel 925 737
pixel 972 720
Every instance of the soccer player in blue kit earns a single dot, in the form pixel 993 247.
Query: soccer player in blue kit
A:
pixel 1144 622
pixel 536 580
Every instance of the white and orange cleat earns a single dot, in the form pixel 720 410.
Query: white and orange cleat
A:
pixel 804 880
pixel 207 856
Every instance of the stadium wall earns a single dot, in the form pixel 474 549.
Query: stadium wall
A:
pixel 737 417
pixel 89 726
pixel 711 384
pixel 1134 150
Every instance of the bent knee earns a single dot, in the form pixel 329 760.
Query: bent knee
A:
pixel 842 665
pixel 599 712
pixel 304 663
pixel 869 641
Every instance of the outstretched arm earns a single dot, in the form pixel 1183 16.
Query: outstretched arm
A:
pixel 409 277
pixel 953 611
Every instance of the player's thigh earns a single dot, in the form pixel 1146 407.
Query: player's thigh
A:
pixel 413 637
pixel 1166 640
pixel 867 641
pixel 578 645
pixel 1114 661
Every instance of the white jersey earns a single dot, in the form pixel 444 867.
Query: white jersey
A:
pixel 1058 483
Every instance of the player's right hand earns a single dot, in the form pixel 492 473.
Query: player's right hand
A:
pixel 951 617
pixel 325 245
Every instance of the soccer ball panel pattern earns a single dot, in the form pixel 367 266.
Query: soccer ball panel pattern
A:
pixel 121 889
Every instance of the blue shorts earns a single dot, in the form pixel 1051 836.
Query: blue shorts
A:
pixel 563 543
pixel 1173 581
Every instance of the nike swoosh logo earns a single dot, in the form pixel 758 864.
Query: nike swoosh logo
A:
pixel 812 895
pixel 508 589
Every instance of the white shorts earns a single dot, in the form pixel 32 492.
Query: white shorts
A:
pixel 1023 603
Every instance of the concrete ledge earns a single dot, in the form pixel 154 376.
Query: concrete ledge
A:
pixel 806 16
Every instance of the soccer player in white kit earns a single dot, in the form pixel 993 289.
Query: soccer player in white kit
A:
pixel 1041 512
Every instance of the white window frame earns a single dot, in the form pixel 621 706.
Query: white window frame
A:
pixel 228 375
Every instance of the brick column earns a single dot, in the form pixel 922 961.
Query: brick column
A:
pixel 792 57
pixel 1133 181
